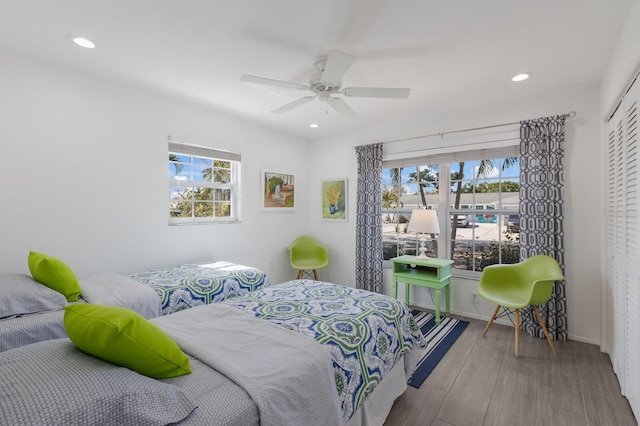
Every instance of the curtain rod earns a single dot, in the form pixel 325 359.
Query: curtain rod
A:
pixel 570 114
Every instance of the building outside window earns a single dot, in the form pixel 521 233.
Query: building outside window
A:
pixel 203 185
pixel 405 189
pixel 478 198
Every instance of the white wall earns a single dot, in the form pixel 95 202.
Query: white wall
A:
pixel 84 176
pixel 335 157
pixel 624 63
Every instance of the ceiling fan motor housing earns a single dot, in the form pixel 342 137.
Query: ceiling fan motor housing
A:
pixel 316 85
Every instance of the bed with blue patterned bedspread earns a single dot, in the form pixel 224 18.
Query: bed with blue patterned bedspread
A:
pixel 188 285
pixel 366 333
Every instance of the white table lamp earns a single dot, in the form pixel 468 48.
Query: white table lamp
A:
pixel 424 222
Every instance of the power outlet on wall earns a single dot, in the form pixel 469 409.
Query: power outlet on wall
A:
pixel 474 298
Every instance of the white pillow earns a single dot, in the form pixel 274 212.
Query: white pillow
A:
pixel 21 295
pixel 112 289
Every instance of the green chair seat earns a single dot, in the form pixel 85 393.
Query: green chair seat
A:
pixel 305 254
pixel 519 285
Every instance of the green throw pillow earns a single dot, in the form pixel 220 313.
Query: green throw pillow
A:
pixel 123 337
pixel 55 274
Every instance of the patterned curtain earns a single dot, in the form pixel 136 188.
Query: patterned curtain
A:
pixel 542 213
pixel 369 218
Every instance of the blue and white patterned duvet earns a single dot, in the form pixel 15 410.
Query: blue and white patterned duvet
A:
pixel 365 332
pixel 185 286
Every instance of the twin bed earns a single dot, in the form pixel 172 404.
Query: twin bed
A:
pixel 193 284
pixel 247 365
pixel 150 293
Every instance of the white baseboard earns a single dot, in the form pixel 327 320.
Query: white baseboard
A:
pixel 506 322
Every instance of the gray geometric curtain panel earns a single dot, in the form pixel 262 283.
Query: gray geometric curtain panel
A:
pixel 369 274
pixel 542 213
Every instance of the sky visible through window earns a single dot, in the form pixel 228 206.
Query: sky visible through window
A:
pixel 188 170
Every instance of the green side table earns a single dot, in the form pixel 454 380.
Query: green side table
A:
pixel 432 272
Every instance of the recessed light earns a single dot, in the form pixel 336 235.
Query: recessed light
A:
pixel 521 77
pixel 313 126
pixel 82 41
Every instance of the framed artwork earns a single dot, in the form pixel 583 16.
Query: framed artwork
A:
pixel 334 199
pixel 277 191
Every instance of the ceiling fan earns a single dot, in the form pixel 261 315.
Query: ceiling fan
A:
pixel 326 82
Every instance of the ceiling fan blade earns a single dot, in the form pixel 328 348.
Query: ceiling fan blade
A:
pixel 336 66
pixel 376 92
pixel 262 80
pixel 342 108
pixel 294 104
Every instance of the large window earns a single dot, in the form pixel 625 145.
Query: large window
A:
pixel 478 198
pixel 203 185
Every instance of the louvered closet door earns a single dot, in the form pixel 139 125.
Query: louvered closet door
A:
pixel 615 232
pixel 623 245
pixel 632 260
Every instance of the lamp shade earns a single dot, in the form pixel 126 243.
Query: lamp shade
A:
pixel 424 221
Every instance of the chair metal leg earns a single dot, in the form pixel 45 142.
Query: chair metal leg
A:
pixel 300 272
pixel 493 317
pixel 544 328
pixel 315 275
pixel 517 326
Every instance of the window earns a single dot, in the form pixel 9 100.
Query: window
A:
pixel 405 189
pixel 492 187
pixel 479 198
pixel 203 185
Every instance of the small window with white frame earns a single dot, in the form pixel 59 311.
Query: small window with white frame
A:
pixel 204 185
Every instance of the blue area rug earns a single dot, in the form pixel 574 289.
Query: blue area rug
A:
pixel 439 339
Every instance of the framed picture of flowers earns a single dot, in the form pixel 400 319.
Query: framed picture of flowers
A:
pixel 277 191
pixel 334 199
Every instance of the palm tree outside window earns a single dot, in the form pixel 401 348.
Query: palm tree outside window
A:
pixel 482 195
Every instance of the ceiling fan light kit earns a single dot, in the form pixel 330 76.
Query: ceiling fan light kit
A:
pixel 82 41
pixel 327 82
pixel 521 77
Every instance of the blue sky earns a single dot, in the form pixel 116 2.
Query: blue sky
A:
pixel 189 171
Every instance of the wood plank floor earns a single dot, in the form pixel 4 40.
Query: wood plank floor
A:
pixel 481 382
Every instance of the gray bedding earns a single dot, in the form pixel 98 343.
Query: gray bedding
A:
pixel 54 383
pixel 289 382
pixel 27 329
pixel 104 288
pixel 288 376
pixel 246 371
pixel 219 400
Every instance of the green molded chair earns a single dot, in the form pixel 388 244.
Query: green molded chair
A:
pixel 519 285
pixel 305 254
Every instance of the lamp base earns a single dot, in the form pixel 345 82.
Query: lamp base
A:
pixel 423 249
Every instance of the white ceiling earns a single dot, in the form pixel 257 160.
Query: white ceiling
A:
pixel 454 55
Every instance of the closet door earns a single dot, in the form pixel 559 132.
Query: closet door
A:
pixel 632 260
pixel 615 235
pixel 623 245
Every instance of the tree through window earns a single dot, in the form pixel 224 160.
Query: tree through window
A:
pixel 481 205
pixel 203 184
